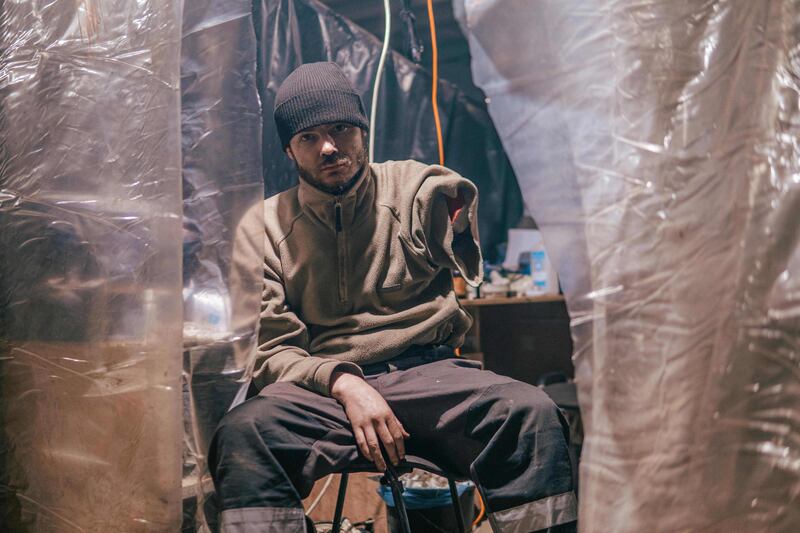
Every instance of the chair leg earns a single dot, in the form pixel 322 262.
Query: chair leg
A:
pixel 456 505
pixel 337 515
pixel 397 494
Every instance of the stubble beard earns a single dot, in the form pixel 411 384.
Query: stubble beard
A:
pixel 308 176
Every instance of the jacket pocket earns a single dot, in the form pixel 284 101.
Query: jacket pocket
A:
pixel 397 274
pixel 407 267
pixel 391 287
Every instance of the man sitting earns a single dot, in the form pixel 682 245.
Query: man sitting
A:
pixel 358 325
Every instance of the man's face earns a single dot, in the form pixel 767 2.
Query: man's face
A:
pixel 329 156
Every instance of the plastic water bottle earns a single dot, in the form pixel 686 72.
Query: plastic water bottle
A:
pixel 206 314
pixel 545 280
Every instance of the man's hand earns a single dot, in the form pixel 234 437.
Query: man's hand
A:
pixel 371 417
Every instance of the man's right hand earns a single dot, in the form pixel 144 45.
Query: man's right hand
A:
pixel 372 419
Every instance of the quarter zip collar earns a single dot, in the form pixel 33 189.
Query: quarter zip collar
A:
pixel 339 212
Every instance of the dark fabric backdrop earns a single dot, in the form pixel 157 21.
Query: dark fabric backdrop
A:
pixel 292 32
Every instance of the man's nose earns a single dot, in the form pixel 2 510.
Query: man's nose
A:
pixel 328 147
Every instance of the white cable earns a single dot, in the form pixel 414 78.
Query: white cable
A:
pixel 387 32
pixel 319 496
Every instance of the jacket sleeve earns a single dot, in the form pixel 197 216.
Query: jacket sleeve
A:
pixel 445 222
pixel 246 282
pixel 283 340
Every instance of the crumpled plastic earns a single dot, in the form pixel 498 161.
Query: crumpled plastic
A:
pixel 223 190
pixel 90 247
pixel 656 145
pixel 100 202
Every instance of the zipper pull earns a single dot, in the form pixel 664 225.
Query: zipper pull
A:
pixel 338 208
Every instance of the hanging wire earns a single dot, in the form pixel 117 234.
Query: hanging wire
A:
pixel 481 512
pixel 372 121
pixel 435 88
pixel 387 32
pixel 440 143
pixel 320 495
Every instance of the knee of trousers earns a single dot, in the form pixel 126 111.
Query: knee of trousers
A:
pixel 248 431
pixel 526 453
pixel 254 459
pixel 520 407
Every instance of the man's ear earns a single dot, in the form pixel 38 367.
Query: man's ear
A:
pixel 288 151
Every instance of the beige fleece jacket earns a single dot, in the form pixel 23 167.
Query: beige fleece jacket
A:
pixel 358 279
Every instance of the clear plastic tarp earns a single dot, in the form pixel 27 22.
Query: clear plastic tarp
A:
pixel 657 145
pixel 90 266
pixel 223 241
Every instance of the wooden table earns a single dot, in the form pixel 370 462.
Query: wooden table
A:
pixel 522 337
pixel 511 300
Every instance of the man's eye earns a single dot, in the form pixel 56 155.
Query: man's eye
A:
pixel 339 128
pixel 306 138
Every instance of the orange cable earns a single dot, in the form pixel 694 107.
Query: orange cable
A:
pixel 481 512
pixel 434 97
pixel 435 89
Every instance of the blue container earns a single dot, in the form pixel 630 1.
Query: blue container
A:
pixel 430 510
pixel 425 498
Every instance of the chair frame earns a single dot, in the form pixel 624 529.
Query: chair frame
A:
pixel 391 478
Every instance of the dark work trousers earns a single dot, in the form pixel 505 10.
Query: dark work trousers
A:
pixel 507 436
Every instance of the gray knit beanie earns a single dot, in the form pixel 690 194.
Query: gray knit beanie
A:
pixel 315 94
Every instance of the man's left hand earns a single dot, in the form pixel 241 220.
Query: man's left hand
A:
pixel 372 419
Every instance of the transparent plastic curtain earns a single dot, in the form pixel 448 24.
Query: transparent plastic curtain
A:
pixel 223 191
pixel 657 145
pixel 90 263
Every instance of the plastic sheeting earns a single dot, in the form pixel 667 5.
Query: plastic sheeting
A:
pixel 90 307
pixel 223 191
pixel 90 205
pixel 302 31
pixel 656 145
